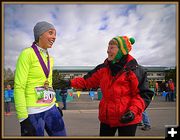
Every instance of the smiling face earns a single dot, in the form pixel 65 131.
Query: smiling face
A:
pixel 112 50
pixel 47 39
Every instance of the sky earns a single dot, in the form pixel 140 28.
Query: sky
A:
pixel 84 30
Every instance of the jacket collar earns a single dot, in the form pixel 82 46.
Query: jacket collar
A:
pixel 126 63
pixel 129 61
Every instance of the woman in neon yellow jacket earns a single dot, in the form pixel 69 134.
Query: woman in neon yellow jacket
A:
pixel 33 93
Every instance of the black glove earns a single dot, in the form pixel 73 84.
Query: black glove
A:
pixel 59 84
pixel 127 117
pixel 60 111
pixel 27 129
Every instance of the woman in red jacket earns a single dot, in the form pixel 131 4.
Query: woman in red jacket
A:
pixel 124 85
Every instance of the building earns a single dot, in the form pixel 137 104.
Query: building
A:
pixel 154 73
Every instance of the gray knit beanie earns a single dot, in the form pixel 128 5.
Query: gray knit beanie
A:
pixel 40 28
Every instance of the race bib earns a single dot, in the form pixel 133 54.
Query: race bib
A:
pixel 44 95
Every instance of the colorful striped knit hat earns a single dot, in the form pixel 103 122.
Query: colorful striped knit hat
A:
pixel 124 45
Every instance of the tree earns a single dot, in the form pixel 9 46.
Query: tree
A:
pixel 58 80
pixel 8 77
pixel 171 74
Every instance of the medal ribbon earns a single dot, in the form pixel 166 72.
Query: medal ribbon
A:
pixel 43 65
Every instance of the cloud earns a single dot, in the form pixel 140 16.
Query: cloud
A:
pixel 83 31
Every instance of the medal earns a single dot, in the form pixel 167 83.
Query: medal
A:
pixel 44 93
pixel 46 84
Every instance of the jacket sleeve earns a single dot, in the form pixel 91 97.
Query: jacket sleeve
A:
pixel 90 80
pixel 144 95
pixel 21 75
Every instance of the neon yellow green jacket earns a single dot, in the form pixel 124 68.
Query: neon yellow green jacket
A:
pixel 28 75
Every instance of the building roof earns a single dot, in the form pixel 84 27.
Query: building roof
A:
pixel 155 68
pixel 74 68
pixel 88 68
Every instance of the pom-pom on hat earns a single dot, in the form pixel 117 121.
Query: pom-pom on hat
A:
pixel 40 28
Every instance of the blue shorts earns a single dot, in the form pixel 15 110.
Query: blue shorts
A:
pixel 50 120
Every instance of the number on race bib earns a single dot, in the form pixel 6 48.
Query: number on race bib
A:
pixel 47 96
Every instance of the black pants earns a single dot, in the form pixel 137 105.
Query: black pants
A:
pixel 64 101
pixel 106 130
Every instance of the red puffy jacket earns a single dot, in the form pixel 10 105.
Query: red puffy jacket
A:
pixel 127 90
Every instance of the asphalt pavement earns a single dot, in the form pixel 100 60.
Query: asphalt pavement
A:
pixel 81 119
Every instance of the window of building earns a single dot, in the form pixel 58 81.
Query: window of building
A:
pixel 159 74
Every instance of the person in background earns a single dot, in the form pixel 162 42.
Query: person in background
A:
pixel 34 98
pixel 7 99
pixel 146 121
pixel 64 94
pixel 171 90
pixel 163 85
pixel 70 92
pixel 124 85
pixel 156 88
pixel 91 94
pixel 167 90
